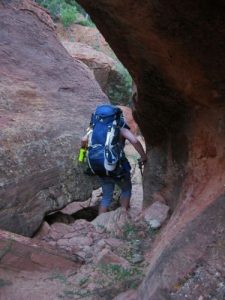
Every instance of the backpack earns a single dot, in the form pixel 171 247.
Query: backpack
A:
pixel 104 148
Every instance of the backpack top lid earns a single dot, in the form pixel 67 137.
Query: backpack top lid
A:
pixel 107 110
pixel 106 113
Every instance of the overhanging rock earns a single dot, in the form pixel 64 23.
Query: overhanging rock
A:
pixel 175 53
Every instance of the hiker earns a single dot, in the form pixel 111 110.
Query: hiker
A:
pixel 105 141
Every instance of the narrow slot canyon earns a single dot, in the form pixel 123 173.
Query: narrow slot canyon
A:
pixel 163 64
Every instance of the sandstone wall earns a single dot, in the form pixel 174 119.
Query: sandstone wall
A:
pixel 46 99
pixel 175 53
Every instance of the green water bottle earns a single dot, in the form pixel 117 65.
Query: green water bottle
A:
pixel 82 155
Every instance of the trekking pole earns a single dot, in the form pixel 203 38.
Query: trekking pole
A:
pixel 140 165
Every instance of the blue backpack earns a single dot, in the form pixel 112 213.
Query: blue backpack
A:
pixel 104 147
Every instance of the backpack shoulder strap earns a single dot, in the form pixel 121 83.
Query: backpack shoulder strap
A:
pixel 92 120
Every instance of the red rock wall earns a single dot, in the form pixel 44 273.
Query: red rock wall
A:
pixel 175 53
pixel 46 100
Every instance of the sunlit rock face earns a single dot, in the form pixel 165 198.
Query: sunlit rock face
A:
pixel 46 100
pixel 102 66
pixel 175 53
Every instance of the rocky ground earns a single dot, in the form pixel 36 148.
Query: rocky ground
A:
pixel 106 258
pixel 113 262
pixel 114 251
pixel 111 248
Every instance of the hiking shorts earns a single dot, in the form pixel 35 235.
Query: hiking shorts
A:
pixel 108 185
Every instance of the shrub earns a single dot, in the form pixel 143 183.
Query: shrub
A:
pixel 86 22
pixel 53 6
pixel 68 15
pixel 117 273
pixel 66 11
pixel 120 89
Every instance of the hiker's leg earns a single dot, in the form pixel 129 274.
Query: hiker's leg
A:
pixel 108 185
pixel 126 187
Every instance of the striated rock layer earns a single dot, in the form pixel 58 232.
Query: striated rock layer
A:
pixel 46 99
pixel 32 270
pixel 175 53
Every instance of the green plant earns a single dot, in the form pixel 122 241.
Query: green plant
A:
pixel 152 231
pixel 120 89
pixel 71 294
pixel 83 281
pixel 66 11
pixel 53 6
pixel 117 273
pixel 86 22
pixel 129 231
pixel 68 15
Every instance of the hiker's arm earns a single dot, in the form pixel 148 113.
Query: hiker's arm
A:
pixel 127 134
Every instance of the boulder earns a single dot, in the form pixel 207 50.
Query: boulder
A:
pixel 156 214
pixel 31 270
pixel 102 66
pixel 85 35
pixel 107 71
pixel 113 221
pixel 76 206
pixel 23 254
pixel 46 100
pixel 107 257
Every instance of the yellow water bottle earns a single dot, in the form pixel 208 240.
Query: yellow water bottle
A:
pixel 82 155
